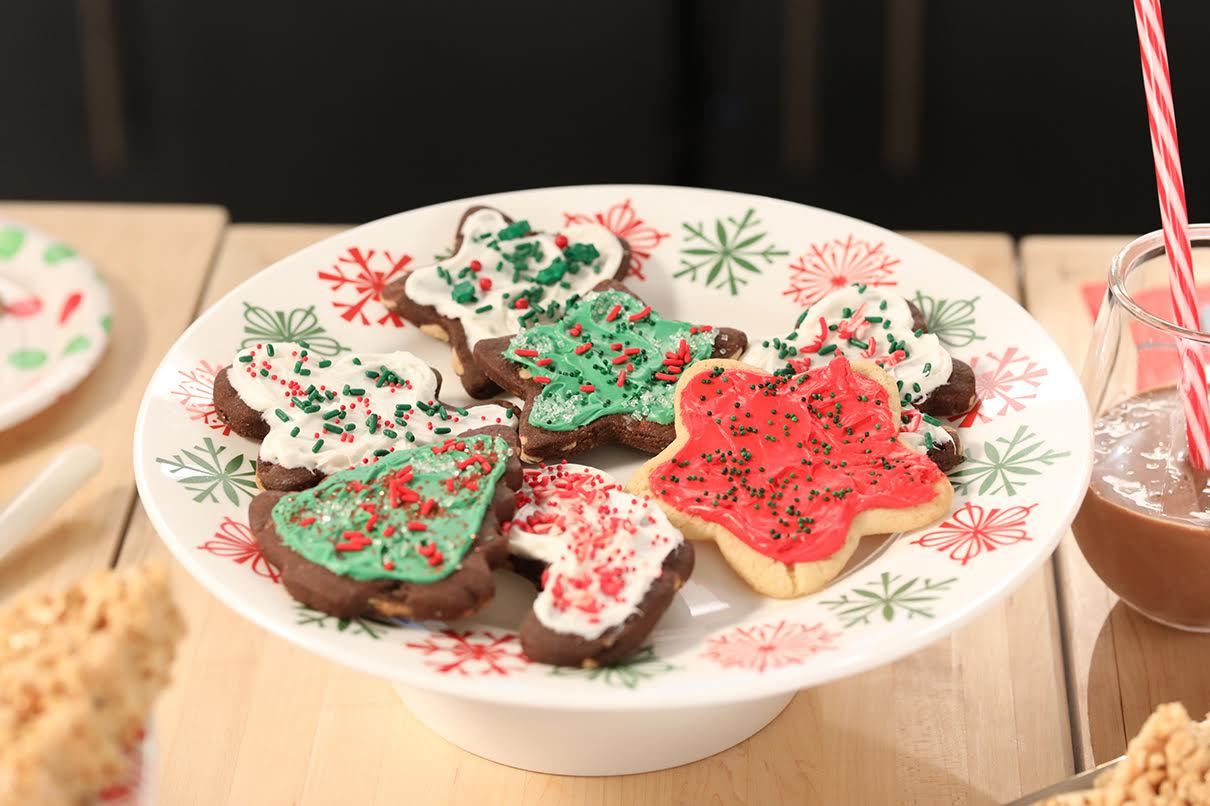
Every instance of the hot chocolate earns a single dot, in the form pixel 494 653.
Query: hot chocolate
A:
pixel 1144 526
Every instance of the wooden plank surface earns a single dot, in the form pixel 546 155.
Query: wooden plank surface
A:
pixel 974 719
pixel 1121 665
pixel 156 259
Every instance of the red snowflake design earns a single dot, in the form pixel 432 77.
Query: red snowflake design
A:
pixel 769 646
pixel 235 541
pixel 973 530
pixel 624 222
pixel 836 264
pixel 195 393
pixel 472 653
pixel 1003 384
pixel 364 275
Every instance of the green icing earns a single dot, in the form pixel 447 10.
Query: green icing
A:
pixel 365 520
pixel 563 405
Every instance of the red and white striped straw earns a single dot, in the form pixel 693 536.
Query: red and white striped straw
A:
pixel 1171 185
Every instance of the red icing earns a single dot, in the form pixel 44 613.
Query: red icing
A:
pixel 770 479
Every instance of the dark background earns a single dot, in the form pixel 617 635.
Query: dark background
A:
pixel 1023 116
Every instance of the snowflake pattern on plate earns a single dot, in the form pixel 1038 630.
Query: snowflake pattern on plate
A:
pixel 730 246
pixel 973 530
pixel 235 541
pixel 622 220
pixel 887 596
pixel 1007 464
pixel 952 321
pixel 629 673
pixel 353 626
pixel 299 324
pixel 769 646
pixel 202 469
pixel 362 276
pixel 472 652
pixel 838 263
pixel 1004 383
pixel 195 392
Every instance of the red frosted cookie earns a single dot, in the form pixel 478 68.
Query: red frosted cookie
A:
pixel 786 473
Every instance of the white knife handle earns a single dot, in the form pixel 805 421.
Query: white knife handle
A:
pixel 39 499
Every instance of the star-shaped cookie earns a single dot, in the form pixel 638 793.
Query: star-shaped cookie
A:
pixel 862 322
pixel 786 472
pixel 603 373
pixel 315 416
pixel 502 277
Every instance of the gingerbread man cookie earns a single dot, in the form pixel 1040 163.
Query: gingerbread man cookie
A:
pixel 415 535
pixel 611 565
pixel 501 278
pixel 603 373
pixel 861 322
pixel 786 472
pixel 316 416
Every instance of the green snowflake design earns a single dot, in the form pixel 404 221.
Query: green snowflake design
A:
pixel 1007 468
pixel 733 245
pixel 306 615
pixel 887 596
pixel 297 325
pixel 952 321
pixel 202 470
pixel 643 665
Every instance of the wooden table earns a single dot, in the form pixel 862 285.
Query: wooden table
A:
pixel 977 718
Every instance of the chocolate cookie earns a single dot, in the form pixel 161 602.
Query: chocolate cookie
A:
pixel 316 416
pixel 611 564
pixel 603 373
pixel 415 535
pixel 863 322
pixel 502 277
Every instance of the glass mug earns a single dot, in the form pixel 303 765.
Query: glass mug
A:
pixel 1144 526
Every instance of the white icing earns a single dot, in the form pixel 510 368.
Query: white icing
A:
pixel 603 547
pixel 920 363
pixel 479 232
pixel 271 393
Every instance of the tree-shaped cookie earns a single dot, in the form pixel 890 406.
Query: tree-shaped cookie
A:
pixel 603 373
pixel 611 564
pixel 316 416
pixel 786 472
pixel 415 535
pixel 501 277
pixel 862 322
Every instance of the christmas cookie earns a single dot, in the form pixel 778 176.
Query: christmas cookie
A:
pixel 611 565
pixel 862 322
pixel 316 416
pixel 502 277
pixel 603 373
pixel 415 535
pixel 786 472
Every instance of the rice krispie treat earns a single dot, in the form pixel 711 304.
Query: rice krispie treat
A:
pixel 1167 764
pixel 79 671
